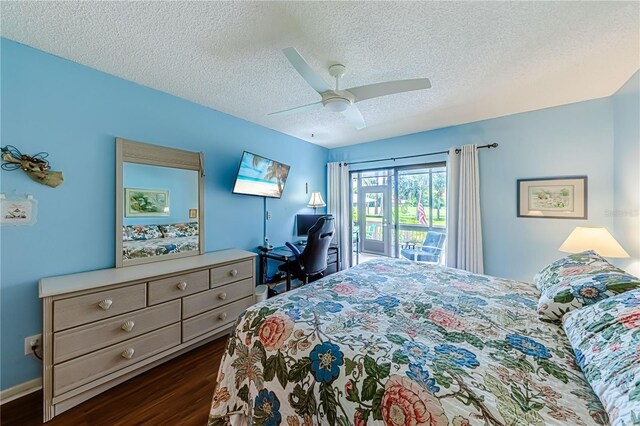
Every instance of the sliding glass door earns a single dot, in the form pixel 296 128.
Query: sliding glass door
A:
pixel 395 207
pixel 421 203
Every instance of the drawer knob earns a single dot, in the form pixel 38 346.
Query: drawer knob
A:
pixel 222 316
pixel 182 285
pixel 106 304
pixel 222 296
pixel 233 272
pixel 128 326
pixel 128 353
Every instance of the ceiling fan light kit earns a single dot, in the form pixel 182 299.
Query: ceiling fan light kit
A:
pixel 344 100
pixel 336 104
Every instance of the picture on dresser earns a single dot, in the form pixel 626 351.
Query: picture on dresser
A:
pixel 146 202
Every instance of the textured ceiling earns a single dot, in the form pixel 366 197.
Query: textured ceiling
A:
pixel 484 59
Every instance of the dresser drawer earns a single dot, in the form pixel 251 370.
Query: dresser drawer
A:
pixel 77 372
pixel 219 296
pixel 209 321
pixel 332 258
pixel 96 306
pixel 178 286
pixel 91 337
pixel 232 272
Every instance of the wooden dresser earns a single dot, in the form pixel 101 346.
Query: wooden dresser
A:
pixel 104 327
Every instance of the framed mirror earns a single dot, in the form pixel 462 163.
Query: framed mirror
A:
pixel 159 203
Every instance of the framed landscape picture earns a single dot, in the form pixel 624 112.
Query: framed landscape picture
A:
pixel 145 202
pixel 557 197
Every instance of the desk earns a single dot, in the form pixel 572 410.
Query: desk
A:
pixel 283 254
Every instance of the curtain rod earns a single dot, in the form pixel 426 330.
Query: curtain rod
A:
pixel 491 145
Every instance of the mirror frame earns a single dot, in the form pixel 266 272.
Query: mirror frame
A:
pixel 154 155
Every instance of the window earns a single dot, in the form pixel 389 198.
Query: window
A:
pixel 421 202
pixel 391 207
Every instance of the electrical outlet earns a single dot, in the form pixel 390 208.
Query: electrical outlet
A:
pixel 30 341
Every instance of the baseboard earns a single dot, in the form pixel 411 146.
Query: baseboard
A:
pixel 18 391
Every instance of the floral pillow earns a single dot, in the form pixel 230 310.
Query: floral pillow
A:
pixel 606 340
pixel 577 286
pixel 587 262
pixel 141 232
pixel 179 230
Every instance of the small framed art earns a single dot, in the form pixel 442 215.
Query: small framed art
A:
pixel 146 202
pixel 19 211
pixel 555 197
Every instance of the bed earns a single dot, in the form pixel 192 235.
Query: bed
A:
pixel 399 342
pixel 159 247
pixel 158 240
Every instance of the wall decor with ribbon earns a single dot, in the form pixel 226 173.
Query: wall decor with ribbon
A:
pixel 36 166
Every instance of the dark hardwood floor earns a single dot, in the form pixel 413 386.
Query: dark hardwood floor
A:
pixel 177 392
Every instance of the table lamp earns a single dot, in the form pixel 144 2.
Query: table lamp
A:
pixel 597 239
pixel 316 201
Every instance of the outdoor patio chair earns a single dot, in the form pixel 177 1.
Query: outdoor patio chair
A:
pixel 429 251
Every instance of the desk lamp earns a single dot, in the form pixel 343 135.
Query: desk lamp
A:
pixel 316 201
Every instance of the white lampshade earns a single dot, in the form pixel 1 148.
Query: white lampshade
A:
pixel 316 200
pixel 593 238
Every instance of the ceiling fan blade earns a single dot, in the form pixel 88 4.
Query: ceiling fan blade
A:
pixel 298 109
pixel 354 116
pixel 389 88
pixel 298 62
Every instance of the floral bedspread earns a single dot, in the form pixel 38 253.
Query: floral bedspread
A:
pixel 158 246
pixel 402 343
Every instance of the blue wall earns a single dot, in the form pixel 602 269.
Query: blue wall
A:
pixel 626 171
pixel 574 139
pixel 75 113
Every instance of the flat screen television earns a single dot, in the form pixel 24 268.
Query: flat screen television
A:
pixel 260 176
pixel 305 221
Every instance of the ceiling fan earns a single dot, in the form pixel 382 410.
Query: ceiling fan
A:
pixel 344 101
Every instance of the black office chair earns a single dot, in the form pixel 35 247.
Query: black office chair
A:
pixel 311 263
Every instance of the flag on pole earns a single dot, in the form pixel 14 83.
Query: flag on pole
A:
pixel 422 218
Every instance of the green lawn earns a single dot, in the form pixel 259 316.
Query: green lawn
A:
pixel 409 217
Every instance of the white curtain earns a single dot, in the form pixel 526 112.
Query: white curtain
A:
pixel 464 230
pixel 338 205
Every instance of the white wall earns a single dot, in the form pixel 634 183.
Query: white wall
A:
pixel 626 171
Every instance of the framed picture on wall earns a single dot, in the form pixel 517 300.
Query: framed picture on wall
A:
pixel 555 197
pixel 19 211
pixel 146 202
